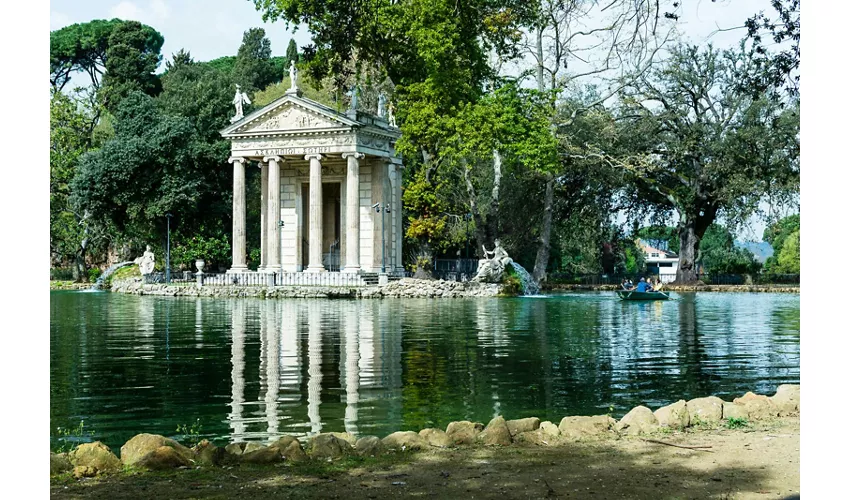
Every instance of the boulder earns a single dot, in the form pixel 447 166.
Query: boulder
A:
pixel 732 410
pixel 757 406
pixel 96 455
pixel 538 437
pixel 436 437
pixel 162 458
pixel 705 410
pixel 142 444
pixel 262 455
pixel 290 449
pixel 675 416
pixel 464 432
pixel 234 448
pixel 59 463
pixel 787 399
pixel 369 446
pixel 523 425
pixel 579 427
pixel 252 446
pixel 404 440
pixel 640 420
pixel 550 429
pixel 207 453
pixel 345 436
pixel 495 434
pixel 324 446
pixel 82 471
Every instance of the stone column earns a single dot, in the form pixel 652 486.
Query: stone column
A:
pixel 273 214
pixel 238 244
pixel 314 264
pixel 264 214
pixel 399 225
pixel 352 213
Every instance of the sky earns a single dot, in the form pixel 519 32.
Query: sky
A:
pixel 213 28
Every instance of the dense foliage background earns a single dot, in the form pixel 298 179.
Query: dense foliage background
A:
pixel 568 161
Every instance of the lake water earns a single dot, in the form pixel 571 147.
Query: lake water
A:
pixel 254 369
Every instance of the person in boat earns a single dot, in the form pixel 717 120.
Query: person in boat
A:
pixel 627 284
pixel 643 286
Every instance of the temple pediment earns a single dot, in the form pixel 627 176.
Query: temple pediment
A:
pixel 287 115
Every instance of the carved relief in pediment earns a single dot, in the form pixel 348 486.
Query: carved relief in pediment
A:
pixel 288 118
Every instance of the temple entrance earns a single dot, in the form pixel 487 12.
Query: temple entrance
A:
pixel 331 231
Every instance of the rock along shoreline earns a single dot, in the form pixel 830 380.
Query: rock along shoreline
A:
pixel 155 452
pixel 407 287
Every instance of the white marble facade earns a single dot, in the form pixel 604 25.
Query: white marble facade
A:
pixel 322 172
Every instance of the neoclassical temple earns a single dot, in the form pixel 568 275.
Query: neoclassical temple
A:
pixel 331 187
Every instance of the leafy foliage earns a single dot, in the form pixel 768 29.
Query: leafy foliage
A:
pixel 253 68
pixel 703 146
pixel 132 57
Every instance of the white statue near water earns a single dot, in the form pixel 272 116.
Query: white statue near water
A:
pixel 147 261
pixel 382 105
pixel 238 99
pixel 492 270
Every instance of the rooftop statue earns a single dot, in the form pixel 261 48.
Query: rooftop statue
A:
pixel 391 115
pixel 238 99
pixel 382 105
pixel 353 93
pixel 293 77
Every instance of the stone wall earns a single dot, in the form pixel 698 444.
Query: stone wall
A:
pixel 407 287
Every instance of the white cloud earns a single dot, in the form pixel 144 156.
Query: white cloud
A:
pixel 156 11
pixel 160 9
pixel 59 20
pixel 126 10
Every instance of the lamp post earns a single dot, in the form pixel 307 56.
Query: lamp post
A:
pixel 168 248
pixel 383 243
pixel 281 224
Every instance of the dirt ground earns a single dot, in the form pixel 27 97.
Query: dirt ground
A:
pixel 759 462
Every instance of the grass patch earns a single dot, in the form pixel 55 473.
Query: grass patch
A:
pixel 737 423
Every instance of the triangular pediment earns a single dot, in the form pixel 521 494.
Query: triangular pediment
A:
pixel 289 114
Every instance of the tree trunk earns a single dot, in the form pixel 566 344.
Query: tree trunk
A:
pixel 686 273
pixel 541 86
pixel 542 260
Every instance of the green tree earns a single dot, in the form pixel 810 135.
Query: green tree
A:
pixel 144 172
pixel 291 52
pixel 80 48
pixel 131 60
pixel 703 146
pixel 70 138
pixel 719 255
pixel 181 58
pixel 789 257
pixel 253 69
pixel 776 234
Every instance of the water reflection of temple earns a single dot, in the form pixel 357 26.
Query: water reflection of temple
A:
pixel 321 368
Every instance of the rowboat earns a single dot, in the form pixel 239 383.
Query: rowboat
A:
pixel 633 295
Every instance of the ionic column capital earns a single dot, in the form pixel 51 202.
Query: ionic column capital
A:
pixel 314 156
pixel 240 159
pixel 277 159
pixel 357 156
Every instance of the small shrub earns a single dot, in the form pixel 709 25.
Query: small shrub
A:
pixel 511 283
pixel 94 274
pixel 737 423
pixel 67 438
pixel 190 434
